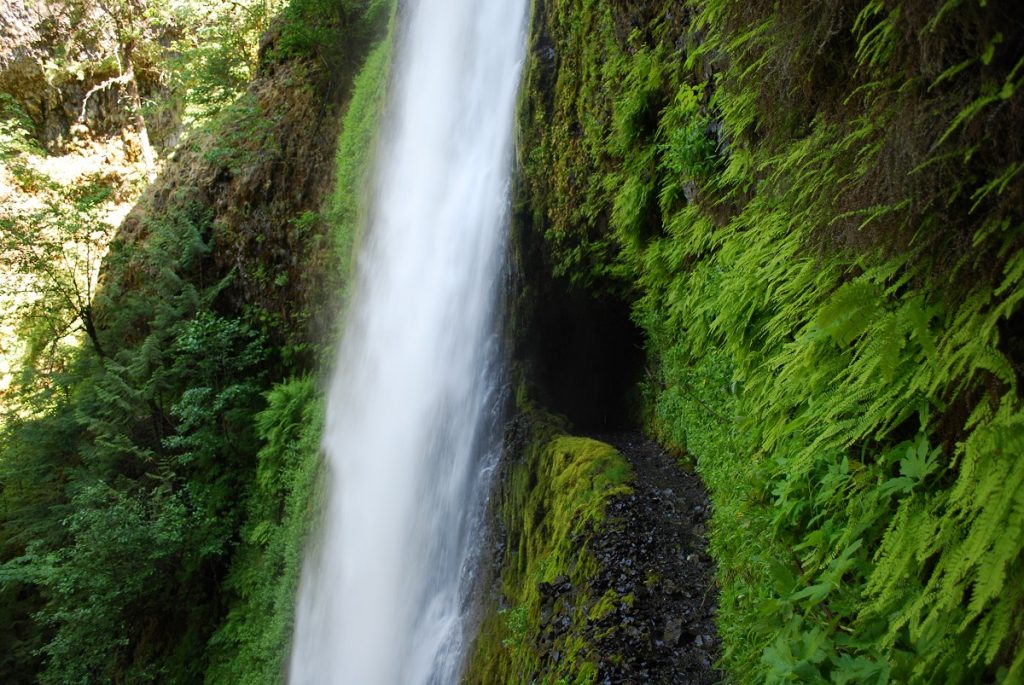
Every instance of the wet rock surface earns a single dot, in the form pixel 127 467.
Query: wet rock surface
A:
pixel 655 573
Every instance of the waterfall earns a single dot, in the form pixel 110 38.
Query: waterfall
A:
pixel 412 411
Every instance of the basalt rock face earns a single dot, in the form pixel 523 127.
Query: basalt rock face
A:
pixel 18 22
pixel 258 177
pixel 22 55
pixel 55 97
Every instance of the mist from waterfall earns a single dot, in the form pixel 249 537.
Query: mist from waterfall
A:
pixel 413 412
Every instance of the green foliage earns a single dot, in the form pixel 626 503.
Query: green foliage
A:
pixel 330 29
pixel 823 246
pixel 516 626
pixel 689 151
pixel 15 129
pixel 216 55
pixel 36 456
pixel 161 430
pixel 50 259
pixel 124 551
pixel 250 646
pixel 246 132
pixel 310 25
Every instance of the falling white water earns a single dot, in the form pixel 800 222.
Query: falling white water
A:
pixel 412 408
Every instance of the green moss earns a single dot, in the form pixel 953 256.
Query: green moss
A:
pixel 604 606
pixel 347 205
pixel 552 503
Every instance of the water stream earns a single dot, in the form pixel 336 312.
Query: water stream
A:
pixel 413 407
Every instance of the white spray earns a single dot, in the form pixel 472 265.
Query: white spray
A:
pixel 411 416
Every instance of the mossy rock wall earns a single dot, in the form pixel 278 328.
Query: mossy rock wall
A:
pixel 813 211
pixel 286 495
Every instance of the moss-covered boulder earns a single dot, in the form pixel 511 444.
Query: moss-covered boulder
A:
pixel 552 503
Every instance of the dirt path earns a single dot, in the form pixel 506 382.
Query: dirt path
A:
pixel 658 553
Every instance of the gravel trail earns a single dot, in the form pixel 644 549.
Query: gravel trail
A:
pixel 658 552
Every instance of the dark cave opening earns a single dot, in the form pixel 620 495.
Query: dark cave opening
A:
pixel 586 356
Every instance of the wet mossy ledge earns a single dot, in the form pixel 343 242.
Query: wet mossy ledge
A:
pixel 551 503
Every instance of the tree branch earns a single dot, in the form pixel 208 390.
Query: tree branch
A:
pixel 122 79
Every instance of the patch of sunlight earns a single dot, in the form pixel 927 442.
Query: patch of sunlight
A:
pixel 33 182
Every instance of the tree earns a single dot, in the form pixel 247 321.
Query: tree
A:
pixel 201 53
pixel 216 54
pixel 51 258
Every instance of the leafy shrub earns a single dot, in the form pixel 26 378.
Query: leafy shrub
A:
pixel 252 643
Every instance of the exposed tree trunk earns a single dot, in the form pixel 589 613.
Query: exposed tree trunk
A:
pixel 90 329
pixel 135 101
